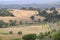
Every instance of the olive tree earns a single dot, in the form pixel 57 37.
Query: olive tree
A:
pixel 32 17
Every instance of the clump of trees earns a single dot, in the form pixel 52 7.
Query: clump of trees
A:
pixel 12 22
pixel 5 12
pixel 56 35
pixel 50 17
pixel 52 8
pixel 29 37
pixel 2 24
pixel 43 36
pixel 43 13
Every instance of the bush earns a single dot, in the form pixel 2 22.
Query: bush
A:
pixel 29 37
pixel 5 12
pixel 32 17
pixel 41 36
pixel 16 39
pixel 2 24
pixel 12 22
pixel 19 33
pixel 46 33
pixel 11 32
pixel 56 36
pixel 49 32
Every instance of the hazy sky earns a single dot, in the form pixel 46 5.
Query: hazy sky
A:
pixel 27 1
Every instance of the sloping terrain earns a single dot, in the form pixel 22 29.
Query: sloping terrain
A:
pixel 21 15
pixel 24 15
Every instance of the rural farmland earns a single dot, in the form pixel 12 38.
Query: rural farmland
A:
pixel 29 19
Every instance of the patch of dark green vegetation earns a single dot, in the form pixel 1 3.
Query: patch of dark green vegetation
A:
pixel 5 12
pixel 51 35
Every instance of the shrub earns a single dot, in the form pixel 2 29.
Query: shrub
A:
pixel 43 13
pixel 5 12
pixel 46 33
pixel 2 24
pixel 32 17
pixel 16 39
pixel 29 37
pixel 49 32
pixel 11 32
pixel 41 36
pixel 56 36
pixel 19 33
pixel 12 22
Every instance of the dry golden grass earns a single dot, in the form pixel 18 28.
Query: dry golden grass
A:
pixel 25 30
pixel 25 16
pixel 6 19
pixel 22 15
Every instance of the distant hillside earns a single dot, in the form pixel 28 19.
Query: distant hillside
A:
pixel 42 6
pixel 22 15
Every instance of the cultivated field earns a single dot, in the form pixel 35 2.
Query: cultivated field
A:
pixel 25 30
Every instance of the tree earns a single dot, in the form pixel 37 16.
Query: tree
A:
pixel 31 8
pixel 5 12
pixel 12 22
pixel 32 17
pixel 41 36
pixel 19 33
pixel 58 17
pixel 55 12
pixel 43 13
pixel 2 24
pixel 23 8
pixel 53 8
pixel 29 37
pixel 56 36
pixel 11 32
pixel 47 33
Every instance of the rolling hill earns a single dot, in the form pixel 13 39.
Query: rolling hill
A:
pixel 22 15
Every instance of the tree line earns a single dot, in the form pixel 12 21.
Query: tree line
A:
pixel 49 17
pixel 5 12
pixel 5 24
